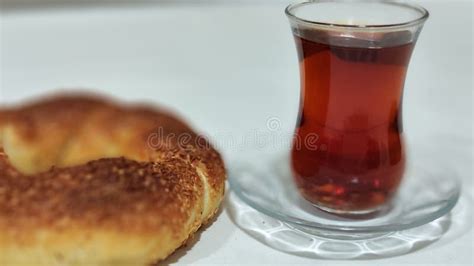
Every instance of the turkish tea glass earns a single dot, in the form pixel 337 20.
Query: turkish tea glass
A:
pixel 353 59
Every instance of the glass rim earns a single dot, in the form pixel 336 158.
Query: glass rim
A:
pixel 424 14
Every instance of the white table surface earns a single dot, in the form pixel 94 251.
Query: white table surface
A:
pixel 230 66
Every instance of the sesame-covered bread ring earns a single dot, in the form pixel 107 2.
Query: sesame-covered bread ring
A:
pixel 86 181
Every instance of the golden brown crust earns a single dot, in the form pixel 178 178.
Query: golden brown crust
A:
pixel 113 172
pixel 116 193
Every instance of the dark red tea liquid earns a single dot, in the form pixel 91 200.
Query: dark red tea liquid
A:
pixel 348 154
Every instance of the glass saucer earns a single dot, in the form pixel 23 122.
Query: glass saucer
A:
pixel 283 237
pixel 428 192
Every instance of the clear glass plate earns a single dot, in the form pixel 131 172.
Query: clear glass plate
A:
pixel 428 192
pixel 283 237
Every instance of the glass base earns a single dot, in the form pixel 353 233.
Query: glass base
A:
pixel 354 214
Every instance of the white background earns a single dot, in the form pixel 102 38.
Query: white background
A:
pixel 229 66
